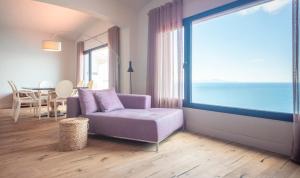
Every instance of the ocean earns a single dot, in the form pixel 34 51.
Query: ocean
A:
pixel 277 97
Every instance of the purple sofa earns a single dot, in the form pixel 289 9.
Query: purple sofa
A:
pixel 138 121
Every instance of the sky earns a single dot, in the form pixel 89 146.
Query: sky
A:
pixel 250 45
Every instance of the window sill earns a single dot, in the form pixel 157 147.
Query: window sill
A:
pixel 286 117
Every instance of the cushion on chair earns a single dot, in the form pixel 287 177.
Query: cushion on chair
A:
pixel 87 101
pixel 108 100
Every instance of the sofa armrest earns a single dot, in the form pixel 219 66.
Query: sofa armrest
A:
pixel 73 107
pixel 135 101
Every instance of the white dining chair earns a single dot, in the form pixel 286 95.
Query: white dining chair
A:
pixel 22 93
pixel 80 84
pixel 29 98
pixel 63 90
pixel 90 84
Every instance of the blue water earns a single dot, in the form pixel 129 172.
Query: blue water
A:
pixel 276 97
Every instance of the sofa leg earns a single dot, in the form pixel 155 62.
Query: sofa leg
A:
pixel 157 147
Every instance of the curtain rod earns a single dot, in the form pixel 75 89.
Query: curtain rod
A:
pixel 93 37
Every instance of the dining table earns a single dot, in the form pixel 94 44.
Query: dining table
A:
pixel 46 88
pixel 51 93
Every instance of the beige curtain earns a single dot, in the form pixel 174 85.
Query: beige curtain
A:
pixel 80 58
pixel 114 53
pixel 165 61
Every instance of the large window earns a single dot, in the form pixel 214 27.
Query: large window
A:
pixel 96 66
pixel 239 58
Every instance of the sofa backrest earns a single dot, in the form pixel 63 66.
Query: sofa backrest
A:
pixel 73 107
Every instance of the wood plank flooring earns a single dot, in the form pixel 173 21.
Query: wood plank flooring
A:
pixel 29 149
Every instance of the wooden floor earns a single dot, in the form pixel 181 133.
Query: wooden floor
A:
pixel 29 149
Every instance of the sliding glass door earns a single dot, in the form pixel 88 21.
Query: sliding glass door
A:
pixel 96 66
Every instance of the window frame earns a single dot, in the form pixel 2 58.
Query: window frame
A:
pixel 187 102
pixel 89 52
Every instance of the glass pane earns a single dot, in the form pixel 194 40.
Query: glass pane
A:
pixel 100 67
pixel 244 59
pixel 86 72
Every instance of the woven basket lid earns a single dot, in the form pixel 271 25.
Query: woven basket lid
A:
pixel 74 121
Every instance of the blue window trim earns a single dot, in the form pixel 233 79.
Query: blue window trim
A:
pixel 187 23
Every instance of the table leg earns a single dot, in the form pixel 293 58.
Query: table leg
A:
pixel 52 110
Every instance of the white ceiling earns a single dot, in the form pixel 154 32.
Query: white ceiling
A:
pixel 49 18
pixel 33 15
pixel 135 4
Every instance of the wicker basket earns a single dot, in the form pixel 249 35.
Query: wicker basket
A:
pixel 73 134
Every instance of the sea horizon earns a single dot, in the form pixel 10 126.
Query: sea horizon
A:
pixel 264 96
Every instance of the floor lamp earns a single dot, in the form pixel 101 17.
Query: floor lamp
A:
pixel 130 70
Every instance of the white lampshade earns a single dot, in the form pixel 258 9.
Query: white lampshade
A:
pixel 50 45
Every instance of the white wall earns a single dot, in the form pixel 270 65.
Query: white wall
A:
pixel 100 27
pixel 266 134
pixel 125 57
pixel 192 7
pixel 23 61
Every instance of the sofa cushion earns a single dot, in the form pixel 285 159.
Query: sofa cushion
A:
pixel 151 125
pixel 87 101
pixel 108 100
